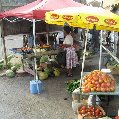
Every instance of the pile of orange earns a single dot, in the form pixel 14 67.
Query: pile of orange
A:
pixel 97 81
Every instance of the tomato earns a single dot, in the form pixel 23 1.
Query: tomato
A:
pixel 89 114
pixel 98 89
pixel 93 82
pixel 97 112
pixel 98 86
pixel 87 89
pixel 102 90
pixel 83 107
pixel 100 114
pixel 91 108
pixel 112 82
pixel 92 89
pixel 108 84
pixel 83 111
pixel 107 89
pixel 84 90
pixel 112 88
pixel 100 80
pixel 103 85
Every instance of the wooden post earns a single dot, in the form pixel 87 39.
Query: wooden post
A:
pixel 3 39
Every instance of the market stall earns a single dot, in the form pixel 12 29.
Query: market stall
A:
pixel 90 18
pixel 36 11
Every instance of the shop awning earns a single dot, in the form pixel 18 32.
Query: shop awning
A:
pixel 38 8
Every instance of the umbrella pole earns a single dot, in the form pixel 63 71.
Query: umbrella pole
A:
pixel 3 39
pixel 84 54
pixel 100 59
pixel 36 76
pixel 47 39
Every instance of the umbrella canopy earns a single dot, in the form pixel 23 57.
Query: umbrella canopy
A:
pixel 54 5
pixel 38 8
pixel 25 11
pixel 84 17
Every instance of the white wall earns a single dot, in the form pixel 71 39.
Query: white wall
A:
pixel 13 41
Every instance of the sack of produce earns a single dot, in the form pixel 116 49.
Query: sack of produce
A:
pixel 47 70
pixel 10 74
pixel 42 75
pixel 56 72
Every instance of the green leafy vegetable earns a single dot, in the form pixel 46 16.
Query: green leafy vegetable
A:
pixel 71 86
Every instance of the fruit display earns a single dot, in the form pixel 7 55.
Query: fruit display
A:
pixel 97 81
pixel 26 49
pixel 46 46
pixel 91 111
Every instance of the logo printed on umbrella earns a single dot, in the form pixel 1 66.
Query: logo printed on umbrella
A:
pixel 110 22
pixel 54 16
pixel 67 17
pixel 92 19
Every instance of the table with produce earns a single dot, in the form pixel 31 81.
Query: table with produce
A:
pixel 95 83
pixel 46 56
pixel 98 83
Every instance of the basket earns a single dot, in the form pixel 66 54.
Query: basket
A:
pixel 89 117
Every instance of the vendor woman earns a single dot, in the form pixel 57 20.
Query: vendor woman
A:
pixel 71 56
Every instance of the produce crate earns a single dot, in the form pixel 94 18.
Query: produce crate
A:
pixel 114 69
pixel 89 117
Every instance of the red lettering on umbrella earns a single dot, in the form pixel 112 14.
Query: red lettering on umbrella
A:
pixel 92 19
pixel 110 22
pixel 67 17
pixel 54 16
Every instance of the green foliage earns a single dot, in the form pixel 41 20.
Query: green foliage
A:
pixel 47 70
pixel 9 65
pixel 9 58
pixel 71 86
pixel 43 59
pixel 1 66
pixel 43 75
pixel 15 67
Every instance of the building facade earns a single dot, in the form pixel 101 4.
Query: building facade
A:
pixel 10 4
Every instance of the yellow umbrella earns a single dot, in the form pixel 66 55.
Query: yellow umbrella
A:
pixel 84 17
